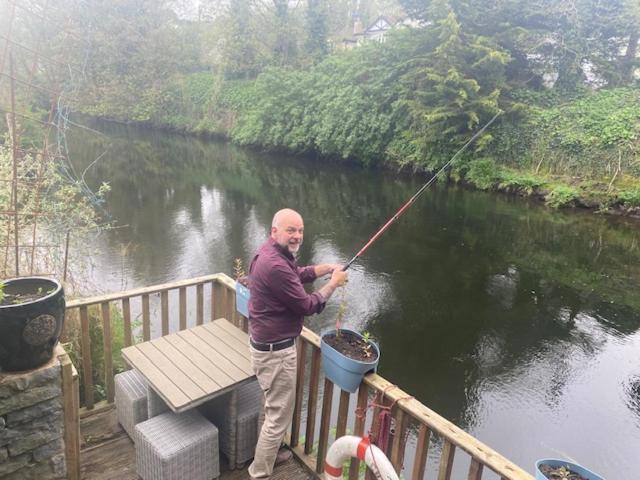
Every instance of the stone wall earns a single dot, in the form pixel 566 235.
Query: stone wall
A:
pixel 32 424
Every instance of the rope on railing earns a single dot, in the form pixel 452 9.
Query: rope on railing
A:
pixel 380 438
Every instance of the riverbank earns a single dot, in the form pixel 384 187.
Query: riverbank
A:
pixel 618 197
pixel 575 151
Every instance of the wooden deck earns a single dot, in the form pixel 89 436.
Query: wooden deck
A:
pixel 107 453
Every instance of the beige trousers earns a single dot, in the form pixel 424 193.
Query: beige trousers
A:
pixel 276 373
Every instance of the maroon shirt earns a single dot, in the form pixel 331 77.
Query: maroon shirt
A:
pixel 279 302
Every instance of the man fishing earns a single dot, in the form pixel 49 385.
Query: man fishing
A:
pixel 277 309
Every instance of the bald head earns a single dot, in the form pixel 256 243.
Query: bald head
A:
pixel 287 229
pixel 285 215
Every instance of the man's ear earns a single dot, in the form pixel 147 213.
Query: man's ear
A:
pixel 273 231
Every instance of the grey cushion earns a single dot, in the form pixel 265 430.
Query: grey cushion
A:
pixel 155 404
pixel 131 400
pixel 239 433
pixel 177 446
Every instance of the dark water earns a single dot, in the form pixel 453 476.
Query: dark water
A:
pixel 514 321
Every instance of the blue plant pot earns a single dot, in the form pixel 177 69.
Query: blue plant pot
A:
pixel 579 469
pixel 343 371
pixel 242 299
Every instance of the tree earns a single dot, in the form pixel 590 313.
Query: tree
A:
pixel 580 41
pixel 239 50
pixel 316 23
pixel 452 86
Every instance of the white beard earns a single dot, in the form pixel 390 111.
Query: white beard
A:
pixel 293 249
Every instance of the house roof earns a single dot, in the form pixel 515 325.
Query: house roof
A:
pixel 380 24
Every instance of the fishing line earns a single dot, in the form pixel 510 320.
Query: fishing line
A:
pixel 406 206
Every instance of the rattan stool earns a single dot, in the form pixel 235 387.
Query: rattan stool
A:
pixel 155 404
pixel 131 400
pixel 177 446
pixel 238 428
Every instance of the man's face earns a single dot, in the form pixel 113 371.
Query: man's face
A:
pixel 289 232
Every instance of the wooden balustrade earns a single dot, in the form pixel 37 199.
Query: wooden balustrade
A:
pixel 430 429
pixel 190 298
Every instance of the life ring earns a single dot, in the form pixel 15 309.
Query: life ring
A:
pixel 361 448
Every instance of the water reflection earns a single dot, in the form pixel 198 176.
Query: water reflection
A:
pixel 516 322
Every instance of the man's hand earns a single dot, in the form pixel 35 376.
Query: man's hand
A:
pixel 338 277
pixel 326 268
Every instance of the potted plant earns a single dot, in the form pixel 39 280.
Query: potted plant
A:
pixel 347 355
pixel 242 288
pixel 31 320
pixel 554 469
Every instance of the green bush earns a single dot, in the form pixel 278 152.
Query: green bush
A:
pixel 561 196
pixel 484 173
pixel 589 136
pixel 520 181
pixel 630 197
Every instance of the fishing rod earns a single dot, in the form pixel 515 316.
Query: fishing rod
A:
pixel 406 206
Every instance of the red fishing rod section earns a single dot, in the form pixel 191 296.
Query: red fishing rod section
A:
pixel 406 206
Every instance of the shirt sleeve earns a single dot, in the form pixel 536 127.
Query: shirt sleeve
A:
pixel 289 290
pixel 307 274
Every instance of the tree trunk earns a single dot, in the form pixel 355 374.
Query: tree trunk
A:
pixel 629 59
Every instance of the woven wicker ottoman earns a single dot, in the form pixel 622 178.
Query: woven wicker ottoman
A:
pixel 131 400
pixel 177 446
pixel 155 404
pixel 238 427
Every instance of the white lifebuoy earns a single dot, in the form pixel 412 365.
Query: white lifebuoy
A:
pixel 349 446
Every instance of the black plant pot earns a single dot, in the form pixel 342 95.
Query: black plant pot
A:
pixel 30 330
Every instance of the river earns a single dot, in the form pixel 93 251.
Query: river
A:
pixel 517 322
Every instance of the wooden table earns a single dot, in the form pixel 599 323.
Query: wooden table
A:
pixel 189 367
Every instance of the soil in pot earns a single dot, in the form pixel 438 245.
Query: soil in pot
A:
pixel 352 346
pixel 17 299
pixel 560 473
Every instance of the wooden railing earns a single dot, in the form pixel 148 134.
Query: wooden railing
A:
pixel 217 292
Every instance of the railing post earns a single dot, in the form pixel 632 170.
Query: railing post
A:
pixel 475 470
pixel 358 428
pixel 325 420
pixel 312 402
pixel 343 410
pixel 199 304
pixel 297 410
pixel 126 315
pixel 446 460
pixel 217 300
pixel 146 319
pixel 108 354
pixel 71 420
pixel 398 444
pixel 422 448
pixel 183 308
pixel 87 367
pixel 164 309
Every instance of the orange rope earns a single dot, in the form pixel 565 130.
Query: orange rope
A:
pixel 381 439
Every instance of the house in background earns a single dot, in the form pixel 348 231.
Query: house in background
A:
pixel 376 30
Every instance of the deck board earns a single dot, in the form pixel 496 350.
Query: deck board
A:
pixel 212 370
pixel 107 453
